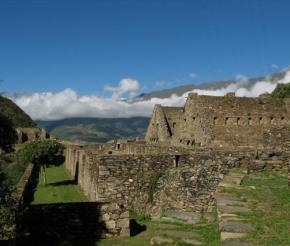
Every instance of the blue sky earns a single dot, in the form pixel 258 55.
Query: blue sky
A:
pixel 50 45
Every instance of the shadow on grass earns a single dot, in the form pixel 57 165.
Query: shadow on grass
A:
pixel 136 228
pixel 61 224
pixel 62 183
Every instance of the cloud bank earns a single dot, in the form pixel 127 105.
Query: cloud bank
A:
pixel 128 85
pixel 67 103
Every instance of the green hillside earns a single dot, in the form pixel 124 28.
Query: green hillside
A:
pixel 96 130
pixel 16 115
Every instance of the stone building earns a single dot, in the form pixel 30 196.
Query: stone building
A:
pixel 221 121
pixel 28 134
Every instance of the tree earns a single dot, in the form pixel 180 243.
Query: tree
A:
pixel 281 91
pixel 43 153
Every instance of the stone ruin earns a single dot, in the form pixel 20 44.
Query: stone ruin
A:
pixel 20 135
pixel 221 122
pixel 28 134
pixel 186 153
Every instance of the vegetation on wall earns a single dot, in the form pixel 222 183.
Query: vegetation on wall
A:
pixel 12 166
pixel 153 185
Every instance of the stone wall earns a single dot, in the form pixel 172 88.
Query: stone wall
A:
pixel 26 185
pixel 113 214
pixel 155 183
pixel 269 159
pixel 30 134
pixel 159 130
pixel 123 147
pixel 221 121
pixel 175 184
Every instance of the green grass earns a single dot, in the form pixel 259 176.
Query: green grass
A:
pixel 59 188
pixel 271 208
pixel 142 239
pixel 207 233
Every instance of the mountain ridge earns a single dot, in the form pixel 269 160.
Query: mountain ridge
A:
pixel 96 130
pixel 213 85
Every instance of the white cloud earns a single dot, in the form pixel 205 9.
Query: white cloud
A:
pixel 242 88
pixel 67 103
pixel 193 75
pixel 274 65
pixel 126 85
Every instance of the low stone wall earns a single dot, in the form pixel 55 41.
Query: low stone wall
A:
pixel 269 160
pixel 26 185
pixel 124 148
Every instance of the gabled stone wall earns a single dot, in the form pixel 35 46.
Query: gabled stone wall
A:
pixel 222 121
pixel 159 129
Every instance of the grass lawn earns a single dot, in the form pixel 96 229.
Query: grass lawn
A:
pixel 205 232
pixel 271 208
pixel 59 188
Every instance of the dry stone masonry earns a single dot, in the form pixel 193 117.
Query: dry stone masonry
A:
pixel 221 121
pixel 187 153
pixel 30 134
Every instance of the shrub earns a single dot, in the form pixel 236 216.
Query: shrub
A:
pixel 42 153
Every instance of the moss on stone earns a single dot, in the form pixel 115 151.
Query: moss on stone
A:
pixel 152 185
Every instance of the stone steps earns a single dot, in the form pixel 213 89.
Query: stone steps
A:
pixel 168 234
pixel 233 227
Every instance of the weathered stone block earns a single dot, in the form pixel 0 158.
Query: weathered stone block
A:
pixel 123 223
pixel 105 217
pixel 110 224
pixel 124 215
pixel 125 232
pixel 104 173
